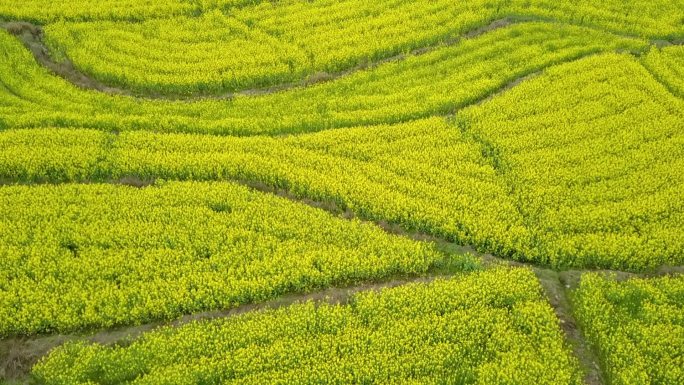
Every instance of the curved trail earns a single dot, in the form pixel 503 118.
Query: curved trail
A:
pixel 31 35
pixel 19 353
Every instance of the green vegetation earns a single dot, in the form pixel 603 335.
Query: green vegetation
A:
pixel 637 326
pixel 425 85
pixel 255 47
pixel 490 327
pixel 296 18
pixel 501 176
pixel 548 132
pixel 667 65
pixel 269 43
pixel 179 56
pixel 424 175
pixel 82 256
pixel 129 10
pixel 592 153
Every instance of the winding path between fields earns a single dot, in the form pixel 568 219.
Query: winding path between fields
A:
pixel 18 354
pixel 31 35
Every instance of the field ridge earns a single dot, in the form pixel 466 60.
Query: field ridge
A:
pixel 31 36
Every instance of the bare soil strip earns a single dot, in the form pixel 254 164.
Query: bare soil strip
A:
pixel 19 354
pixel 557 293
pixel 31 35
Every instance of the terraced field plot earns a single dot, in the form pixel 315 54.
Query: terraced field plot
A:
pixel 172 172
pixel 636 326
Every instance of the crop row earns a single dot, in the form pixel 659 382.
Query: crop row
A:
pixel 637 327
pixel 592 152
pixel 90 256
pixel 52 10
pixel 273 43
pixel 420 86
pixel 217 53
pixel 491 327
pixel 667 65
pixel 424 175
pixel 46 11
pixel 658 18
pixel 603 190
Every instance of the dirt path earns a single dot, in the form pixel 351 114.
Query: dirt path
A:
pixel 557 285
pixel 556 291
pixel 19 354
pixel 31 35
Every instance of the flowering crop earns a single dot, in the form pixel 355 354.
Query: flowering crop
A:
pixel 490 327
pixel 636 325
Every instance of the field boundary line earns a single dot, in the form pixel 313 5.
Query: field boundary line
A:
pixel 31 36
